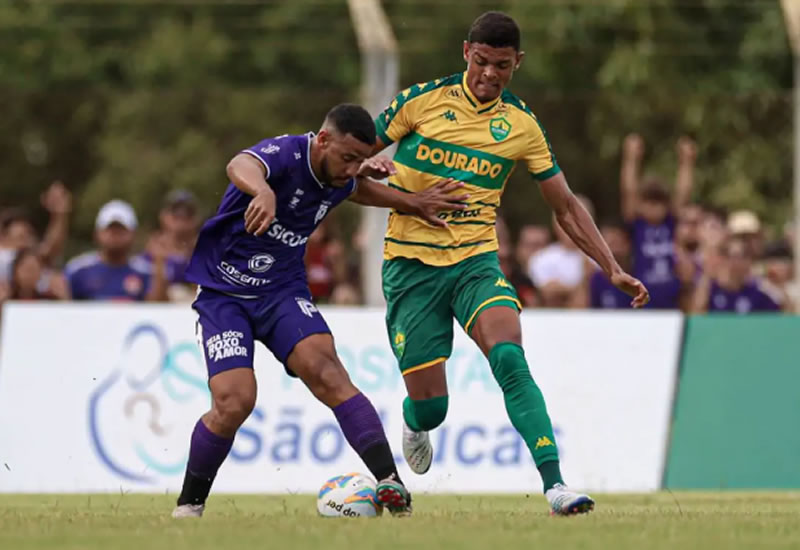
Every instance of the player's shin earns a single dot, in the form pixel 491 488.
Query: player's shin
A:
pixel 364 432
pixel 526 408
pixel 206 454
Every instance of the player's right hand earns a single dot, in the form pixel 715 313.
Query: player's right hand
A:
pixel 427 204
pixel 260 212
pixel 632 287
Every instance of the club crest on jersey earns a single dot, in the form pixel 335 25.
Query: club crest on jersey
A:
pixel 499 128
pixel 306 307
pixel 322 211
pixel 260 263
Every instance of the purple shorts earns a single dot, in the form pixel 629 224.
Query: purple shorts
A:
pixel 227 326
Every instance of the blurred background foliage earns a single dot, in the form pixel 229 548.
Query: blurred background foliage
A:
pixel 125 98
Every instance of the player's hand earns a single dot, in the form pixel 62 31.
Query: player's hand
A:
pixel 260 212
pixel 632 287
pixel 377 167
pixel 427 204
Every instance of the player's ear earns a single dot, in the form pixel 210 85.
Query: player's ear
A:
pixel 466 51
pixel 520 55
pixel 323 138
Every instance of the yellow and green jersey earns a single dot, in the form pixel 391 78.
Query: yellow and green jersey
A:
pixel 443 131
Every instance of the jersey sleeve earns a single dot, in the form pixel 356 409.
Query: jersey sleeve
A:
pixel 397 120
pixel 268 153
pixel 539 157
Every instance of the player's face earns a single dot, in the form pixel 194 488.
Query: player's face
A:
pixel 489 69
pixel 342 155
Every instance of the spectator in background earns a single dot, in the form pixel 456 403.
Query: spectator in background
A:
pixel 110 273
pixel 177 232
pixel 27 275
pixel 526 291
pixel 17 231
pixel 746 225
pixel 601 294
pixel 651 213
pixel 531 239
pixel 326 262
pixel 558 270
pixel 728 284
pixel 778 270
pixel 345 294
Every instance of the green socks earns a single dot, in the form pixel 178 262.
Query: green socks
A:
pixel 526 408
pixel 426 414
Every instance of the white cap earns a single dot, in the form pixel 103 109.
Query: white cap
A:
pixel 743 222
pixel 116 211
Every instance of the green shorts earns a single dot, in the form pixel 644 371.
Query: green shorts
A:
pixel 421 301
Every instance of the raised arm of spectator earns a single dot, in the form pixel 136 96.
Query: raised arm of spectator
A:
pixel 630 172
pixel 701 295
pixel 159 284
pixel 684 180
pixel 57 200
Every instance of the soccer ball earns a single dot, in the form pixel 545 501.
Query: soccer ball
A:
pixel 348 496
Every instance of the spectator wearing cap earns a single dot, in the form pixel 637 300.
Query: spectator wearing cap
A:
pixel 17 231
pixel 728 283
pixel 175 237
pixel 651 214
pixel 109 273
pixel 559 269
pixel 746 225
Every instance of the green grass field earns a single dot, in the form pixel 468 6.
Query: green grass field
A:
pixel 706 521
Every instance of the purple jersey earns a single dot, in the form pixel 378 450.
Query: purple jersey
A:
pixel 654 261
pixel 174 266
pixel 749 298
pixel 228 259
pixel 90 278
pixel 604 295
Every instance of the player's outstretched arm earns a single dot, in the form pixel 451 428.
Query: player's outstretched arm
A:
pixel 249 176
pixel 580 226
pixel 425 204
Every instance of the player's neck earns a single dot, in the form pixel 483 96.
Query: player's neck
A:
pixel 315 159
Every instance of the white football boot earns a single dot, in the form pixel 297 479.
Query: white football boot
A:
pixel 417 450
pixel 189 511
pixel 564 502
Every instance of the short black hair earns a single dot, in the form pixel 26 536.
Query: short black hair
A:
pixel 495 29
pixel 352 119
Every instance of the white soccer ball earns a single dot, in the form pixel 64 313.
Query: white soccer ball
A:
pixel 349 496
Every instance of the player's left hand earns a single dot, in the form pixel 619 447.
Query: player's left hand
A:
pixel 427 204
pixel 632 287
pixel 377 167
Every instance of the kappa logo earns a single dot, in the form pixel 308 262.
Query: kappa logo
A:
pixel 260 263
pixel 322 211
pixel 449 115
pixel 270 149
pixel 306 307
pixel 502 283
pixel 543 441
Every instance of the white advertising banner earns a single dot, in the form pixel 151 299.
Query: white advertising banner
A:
pixel 103 397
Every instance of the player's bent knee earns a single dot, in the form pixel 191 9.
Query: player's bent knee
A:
pixel 509 366
pixel 328 380
pixel 232 407
pixel 429 414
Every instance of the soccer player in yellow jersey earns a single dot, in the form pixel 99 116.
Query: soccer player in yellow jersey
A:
pixel 470 128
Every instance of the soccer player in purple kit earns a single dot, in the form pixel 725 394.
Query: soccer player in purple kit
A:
pixel 248 263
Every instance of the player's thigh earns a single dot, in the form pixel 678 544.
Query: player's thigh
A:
pixel 486 303
pixel 224 332
pixel 427 383
pixel 419 319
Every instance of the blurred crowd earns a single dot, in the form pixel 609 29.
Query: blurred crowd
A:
pixel 692 257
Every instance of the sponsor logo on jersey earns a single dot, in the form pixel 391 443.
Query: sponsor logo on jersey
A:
pixel 458 161
pixel 502 283
pixel 322 211
pixel 306 307
pixel 289 238
pixel 270 149
pixel 499 128
pixel 260 263
pixel 543 441
pixel 231 274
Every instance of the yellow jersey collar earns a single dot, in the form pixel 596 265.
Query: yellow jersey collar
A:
pixel 477 105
